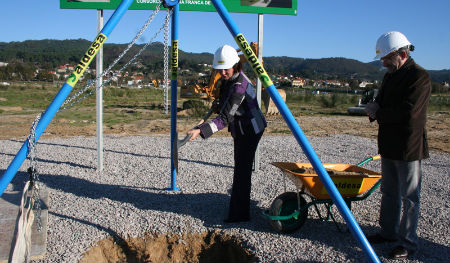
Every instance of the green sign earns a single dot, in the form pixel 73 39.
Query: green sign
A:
pixel 279 7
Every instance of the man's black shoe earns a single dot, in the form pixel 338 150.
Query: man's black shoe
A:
pixel 400 252
pixel 378 239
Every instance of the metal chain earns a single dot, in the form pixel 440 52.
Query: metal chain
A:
pixel 107 71
pixel 115 73
pixel 34 175
pixel 166 63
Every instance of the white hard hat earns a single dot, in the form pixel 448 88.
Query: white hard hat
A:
pixel 225 57
pixel 390 41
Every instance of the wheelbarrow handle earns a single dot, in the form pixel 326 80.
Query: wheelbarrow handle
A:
pixel 372 158
pixel 294 215
pixel 376 157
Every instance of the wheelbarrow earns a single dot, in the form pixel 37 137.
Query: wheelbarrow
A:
pixel 289 210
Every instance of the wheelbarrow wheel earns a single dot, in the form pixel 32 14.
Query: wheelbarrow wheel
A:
pixel 284 205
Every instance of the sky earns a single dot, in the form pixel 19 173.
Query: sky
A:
pixel 321 28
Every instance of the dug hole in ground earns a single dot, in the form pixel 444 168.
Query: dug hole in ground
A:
pixel 212 246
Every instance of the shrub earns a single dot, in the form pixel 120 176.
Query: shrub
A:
pixel 197 108
pixel 329 101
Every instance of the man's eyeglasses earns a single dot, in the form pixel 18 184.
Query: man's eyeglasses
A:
pixel 390 55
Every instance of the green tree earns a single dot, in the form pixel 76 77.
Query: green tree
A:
pixel 354 84
pixel 44 76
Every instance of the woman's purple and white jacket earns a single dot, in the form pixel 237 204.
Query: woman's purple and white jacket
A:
pixel 238 109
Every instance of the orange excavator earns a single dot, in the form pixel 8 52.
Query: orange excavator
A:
pixel 155 83
pixel 210 92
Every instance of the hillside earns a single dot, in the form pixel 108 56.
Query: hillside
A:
pixel 325 67
pixel 52 53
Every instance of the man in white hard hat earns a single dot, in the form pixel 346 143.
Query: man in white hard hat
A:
pixel 400 109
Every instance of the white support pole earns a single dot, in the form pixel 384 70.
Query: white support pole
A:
pixel 99 71
pixel 258 81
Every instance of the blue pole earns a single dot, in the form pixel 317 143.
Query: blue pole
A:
pixel 54 106
pixel 173 98
pixel 298 133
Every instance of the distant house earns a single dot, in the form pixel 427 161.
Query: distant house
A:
pixel 138 79
pixel 363 84
pixel 332 83
pixel 61 69
pixel 298 82
pixel 54 73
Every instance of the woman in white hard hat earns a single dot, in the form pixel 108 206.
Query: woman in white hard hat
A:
pixel 238 109
pixel 400 109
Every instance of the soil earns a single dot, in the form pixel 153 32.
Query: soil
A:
pixel 202 247
pixel 17 126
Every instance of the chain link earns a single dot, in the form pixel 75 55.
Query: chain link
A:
pixel 108 70
pixel 32 171
pixel 166 63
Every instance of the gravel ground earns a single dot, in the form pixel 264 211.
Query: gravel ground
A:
pixel 129 198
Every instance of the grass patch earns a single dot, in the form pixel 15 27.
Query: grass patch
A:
pixel 282 131
pixel 306 103
pixel 126 105
pixel 439 103
pixel 110 119
pixel 30 98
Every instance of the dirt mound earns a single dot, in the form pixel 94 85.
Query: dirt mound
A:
pixel 202 247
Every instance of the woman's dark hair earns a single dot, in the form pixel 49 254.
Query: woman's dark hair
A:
pixel 237 67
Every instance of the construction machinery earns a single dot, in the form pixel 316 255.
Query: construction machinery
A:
pixel 202 90
pixel 210 91
pixel 269 105
pixel 360 109
pixel 155 83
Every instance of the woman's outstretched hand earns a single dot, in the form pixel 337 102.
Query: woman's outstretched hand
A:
pixel 195 133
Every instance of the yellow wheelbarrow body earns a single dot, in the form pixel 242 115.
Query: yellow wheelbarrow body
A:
pixel 350 180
